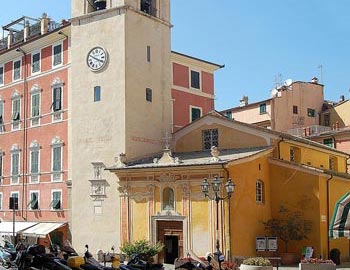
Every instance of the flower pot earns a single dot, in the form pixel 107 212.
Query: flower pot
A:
pixel 255 267
pixel 316 266
pixel 288 258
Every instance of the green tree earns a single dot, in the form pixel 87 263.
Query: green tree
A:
pixel 290 225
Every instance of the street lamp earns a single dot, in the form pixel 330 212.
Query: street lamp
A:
pixel 216 185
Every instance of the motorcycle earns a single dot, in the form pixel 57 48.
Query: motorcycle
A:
pixel 35 257
pixel 136 263
pixel 6 258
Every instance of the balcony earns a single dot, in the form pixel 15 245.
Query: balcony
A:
pixel 309 131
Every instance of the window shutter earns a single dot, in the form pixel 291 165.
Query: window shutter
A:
pixel 56 159
pixel 57 99
pixel 16 108
pixel 35 105
pixel 15 164
pixel 34 162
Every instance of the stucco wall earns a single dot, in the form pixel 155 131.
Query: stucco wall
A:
pixel 228 138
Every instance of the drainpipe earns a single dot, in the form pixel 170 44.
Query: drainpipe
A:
pixel 328 246
pixel 24 156
pixel 229 217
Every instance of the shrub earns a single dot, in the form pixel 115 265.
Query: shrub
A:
pixel 260 261
pixel 145 249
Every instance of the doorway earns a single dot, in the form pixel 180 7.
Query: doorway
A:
pixel 171 243
pixel 170 233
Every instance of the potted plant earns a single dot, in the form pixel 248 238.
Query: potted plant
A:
pixel 256 263
pixel 142 248
pixel 289 226
pixel 316 264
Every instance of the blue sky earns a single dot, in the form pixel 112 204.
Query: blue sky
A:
pixel 258 41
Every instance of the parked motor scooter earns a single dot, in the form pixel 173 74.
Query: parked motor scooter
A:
pixel 6 258
pixel 34 257
pixel 136 263
pixel 91 263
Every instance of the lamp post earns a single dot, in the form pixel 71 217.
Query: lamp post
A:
pixel 216 185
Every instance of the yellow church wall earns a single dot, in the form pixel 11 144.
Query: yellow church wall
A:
pixel 139 222
pixel 178 203
pixel 199 226
pixel 297 190
pixel 312 156
pixel 157 201
pixel 228 138
pixel 246 214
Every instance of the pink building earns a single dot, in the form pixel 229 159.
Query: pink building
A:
pixel 34 107
pixel 192 89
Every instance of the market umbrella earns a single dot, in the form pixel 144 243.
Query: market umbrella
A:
pixel 340 224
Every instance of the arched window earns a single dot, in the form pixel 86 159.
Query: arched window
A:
pixel 168 199
pixel 259 191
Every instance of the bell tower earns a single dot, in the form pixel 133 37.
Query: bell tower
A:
pixel 119 102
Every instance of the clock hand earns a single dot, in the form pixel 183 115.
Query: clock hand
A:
pixel 95 58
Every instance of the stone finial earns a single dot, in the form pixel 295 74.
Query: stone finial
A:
pixel 120 160
pixel 215 153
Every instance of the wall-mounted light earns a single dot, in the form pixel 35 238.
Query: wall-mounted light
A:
pixel 63 34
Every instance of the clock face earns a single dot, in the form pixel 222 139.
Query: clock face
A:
pixel 97 58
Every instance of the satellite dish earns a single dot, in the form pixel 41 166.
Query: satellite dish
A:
pixel 288 82
pixel 273 93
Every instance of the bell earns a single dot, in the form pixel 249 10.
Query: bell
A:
pixel 100 4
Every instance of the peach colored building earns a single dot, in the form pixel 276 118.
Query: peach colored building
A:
pixel 291 106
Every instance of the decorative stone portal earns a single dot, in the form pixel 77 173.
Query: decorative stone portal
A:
pixel 170 233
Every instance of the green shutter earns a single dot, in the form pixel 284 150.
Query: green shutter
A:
pixel 15 160
pixel 34 162
pixel 35 105
pixel 56 159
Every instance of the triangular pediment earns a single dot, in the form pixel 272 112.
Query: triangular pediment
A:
pixel 231 134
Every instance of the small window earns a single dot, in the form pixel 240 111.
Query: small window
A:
pixel 34 200
pixel 35 62
pixel 16 70
pixel 327 119
pixel 56 200
pixel 295 154
pixel 333 163
pixel 97 93
pixel 195 79
pixel 295 109
pixel 310 112
pixel 168 199
pixel 210 137
pixel 1 75
pixel 328 142
pixel 148 53
pixel 149 94
pixel 57 98
pixel 262 108
pixel 259 192
pixel 195 113
pixel 57 55
pixel 228 114
pixel 15 194
pixel 149 7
